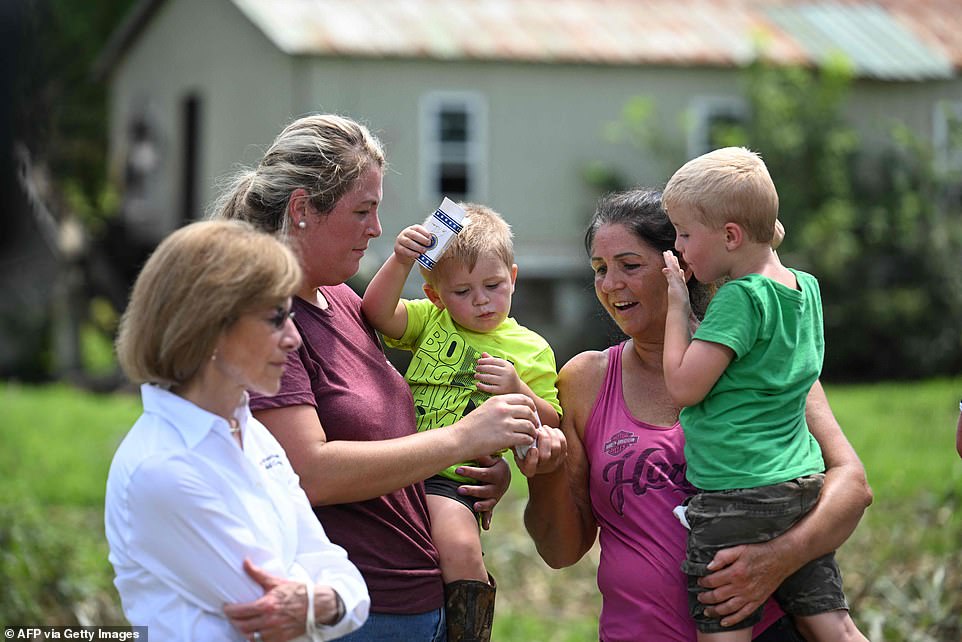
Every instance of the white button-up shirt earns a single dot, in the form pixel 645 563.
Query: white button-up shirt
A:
pixel 185 505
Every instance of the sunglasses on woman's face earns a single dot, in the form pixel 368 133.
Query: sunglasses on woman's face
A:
pixel 280 317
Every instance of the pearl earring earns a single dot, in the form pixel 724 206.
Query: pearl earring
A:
pixel 302 224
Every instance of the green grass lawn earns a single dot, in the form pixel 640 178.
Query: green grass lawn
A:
pixel 904 434
pixel 903 567
pixel 58 441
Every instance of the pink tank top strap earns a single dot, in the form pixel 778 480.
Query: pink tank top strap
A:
pixel 609 397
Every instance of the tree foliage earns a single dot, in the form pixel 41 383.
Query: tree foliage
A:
pixel 881 227
pixel 60 108
pixel 57 203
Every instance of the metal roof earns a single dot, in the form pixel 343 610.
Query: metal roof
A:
pixel 873 40
pixel 884 39
pixel 672 32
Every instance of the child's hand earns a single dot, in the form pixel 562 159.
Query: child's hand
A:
pixel 677 284
pixel 547 453
pixel 411 243
pixel 496 376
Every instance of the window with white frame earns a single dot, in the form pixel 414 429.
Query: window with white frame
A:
pixel 709 116
pixel 453 142
pixel 947 135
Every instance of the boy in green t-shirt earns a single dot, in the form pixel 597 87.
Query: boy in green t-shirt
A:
pixel 465 348
pixel 743 378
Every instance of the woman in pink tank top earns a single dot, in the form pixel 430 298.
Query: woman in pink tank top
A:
pixel 625 467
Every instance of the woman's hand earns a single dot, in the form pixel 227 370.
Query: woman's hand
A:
pixel 744 576
pixel 742 579
pixel 548 453
pixel 958 433
pixel 281 613
pixel 494 477
pixel 503 421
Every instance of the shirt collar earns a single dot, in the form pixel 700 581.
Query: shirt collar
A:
pixel 192 422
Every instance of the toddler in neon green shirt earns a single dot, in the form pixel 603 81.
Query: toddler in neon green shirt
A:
pixel 465 348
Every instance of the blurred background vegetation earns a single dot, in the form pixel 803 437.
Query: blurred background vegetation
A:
pixel 54 129
pixel 880 227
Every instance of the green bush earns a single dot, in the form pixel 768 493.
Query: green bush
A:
pixel 881 227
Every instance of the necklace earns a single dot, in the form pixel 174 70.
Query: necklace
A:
pixel 234 425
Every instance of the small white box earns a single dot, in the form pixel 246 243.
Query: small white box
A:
pixel 444 225
pixel 522 451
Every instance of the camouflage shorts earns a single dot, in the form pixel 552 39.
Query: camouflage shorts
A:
pixel 747 516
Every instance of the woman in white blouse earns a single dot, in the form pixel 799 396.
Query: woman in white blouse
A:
pixel 210 533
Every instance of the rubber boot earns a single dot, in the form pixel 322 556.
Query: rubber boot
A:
pixel 469 609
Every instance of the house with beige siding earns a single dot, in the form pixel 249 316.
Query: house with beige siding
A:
pixel 499 101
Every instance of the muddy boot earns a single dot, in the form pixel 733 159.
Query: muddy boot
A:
pixel 469 609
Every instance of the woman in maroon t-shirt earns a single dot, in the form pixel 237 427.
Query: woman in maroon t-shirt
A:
pixel 344 415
